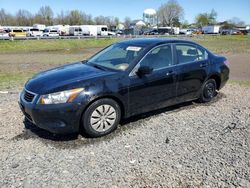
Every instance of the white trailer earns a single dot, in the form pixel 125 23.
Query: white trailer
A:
pixel 211 29
pixel 41 27
pixel 102 30
pixel 75 30
pixel 94 30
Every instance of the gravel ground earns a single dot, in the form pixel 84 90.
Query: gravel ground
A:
pixel 189 145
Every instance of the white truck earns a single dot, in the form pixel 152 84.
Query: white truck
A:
pixel 211 29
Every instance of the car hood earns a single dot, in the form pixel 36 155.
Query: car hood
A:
pixel 61 78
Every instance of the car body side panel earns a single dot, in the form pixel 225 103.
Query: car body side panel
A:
pixel 152 91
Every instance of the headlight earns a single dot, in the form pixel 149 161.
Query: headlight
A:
pixel 60 97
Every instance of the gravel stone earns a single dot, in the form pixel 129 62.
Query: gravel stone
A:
pixel 188 145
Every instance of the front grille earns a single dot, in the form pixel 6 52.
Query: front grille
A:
pixel 28 96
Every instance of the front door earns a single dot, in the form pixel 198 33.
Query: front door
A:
pixel 157 89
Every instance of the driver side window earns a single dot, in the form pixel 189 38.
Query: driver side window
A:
pixel 159 58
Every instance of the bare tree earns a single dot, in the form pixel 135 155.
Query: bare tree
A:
pixel 170 14
pixel 127 22
pixel 46 14
pixel 75 17
pixel 6 19
pixel 236 21
pixel 61 18
pixel 24 18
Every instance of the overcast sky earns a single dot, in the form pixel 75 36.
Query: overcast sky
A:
pixel 226 9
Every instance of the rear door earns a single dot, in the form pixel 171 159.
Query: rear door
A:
pixel 192 70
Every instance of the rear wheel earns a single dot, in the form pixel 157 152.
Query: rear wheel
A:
pixel 208 91
pixel 101 118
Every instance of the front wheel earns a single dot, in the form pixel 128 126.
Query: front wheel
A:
pixel 101 118
pixel 208 91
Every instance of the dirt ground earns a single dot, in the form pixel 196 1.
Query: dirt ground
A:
pixel 239 66
pixel 188 145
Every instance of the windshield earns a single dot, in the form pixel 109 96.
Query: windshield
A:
pixel 117 56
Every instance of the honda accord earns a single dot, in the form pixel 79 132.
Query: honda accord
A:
pixel 122 80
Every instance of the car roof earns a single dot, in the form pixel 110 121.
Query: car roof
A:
pixel 153 41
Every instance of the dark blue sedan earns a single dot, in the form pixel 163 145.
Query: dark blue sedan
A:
pixel 122 80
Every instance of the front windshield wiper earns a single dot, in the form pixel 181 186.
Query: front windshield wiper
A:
pixel 97 66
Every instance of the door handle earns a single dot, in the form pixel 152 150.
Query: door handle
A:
pixel 169 73
pixel 203 64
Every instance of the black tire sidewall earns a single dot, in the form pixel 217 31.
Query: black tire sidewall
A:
pixel 202 97
pixel 87 128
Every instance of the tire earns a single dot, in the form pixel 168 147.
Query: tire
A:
pixel 101 118
pixel 208 91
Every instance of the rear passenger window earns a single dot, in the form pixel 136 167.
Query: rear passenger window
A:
pixel 186 53
pixel 189 53
pixel 202 54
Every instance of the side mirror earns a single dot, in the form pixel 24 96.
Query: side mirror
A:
pixel 143 70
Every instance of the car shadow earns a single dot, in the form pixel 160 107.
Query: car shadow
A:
pixel 85 140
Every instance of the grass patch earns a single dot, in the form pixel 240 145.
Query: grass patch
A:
pixel 10 80
pixel 217 44
pixel 242 83
pixel 225 44
pixel 52 45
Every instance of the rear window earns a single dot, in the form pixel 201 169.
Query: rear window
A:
pixel 189 53
pixel 17 31
pixel 34 29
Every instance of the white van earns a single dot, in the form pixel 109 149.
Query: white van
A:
pixel 33 32
pixel 50 33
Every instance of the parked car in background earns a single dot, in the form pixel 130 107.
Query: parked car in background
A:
pixel 151 32
pixel 225 32
pixel 124 79
pixel 33 32
pixel 50 33
pixel 186 31
pixel 3 34
pixel 111 33
pixel 119 32
pixel 17 33
pixel 236 32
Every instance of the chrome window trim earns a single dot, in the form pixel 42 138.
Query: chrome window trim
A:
pixel 133 71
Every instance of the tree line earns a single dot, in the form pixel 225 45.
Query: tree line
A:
pixel 46 16
pixel 169 14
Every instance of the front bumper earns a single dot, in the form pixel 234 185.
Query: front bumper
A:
pixel 55 118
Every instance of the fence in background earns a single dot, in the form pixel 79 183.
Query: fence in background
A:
pixel 104 37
